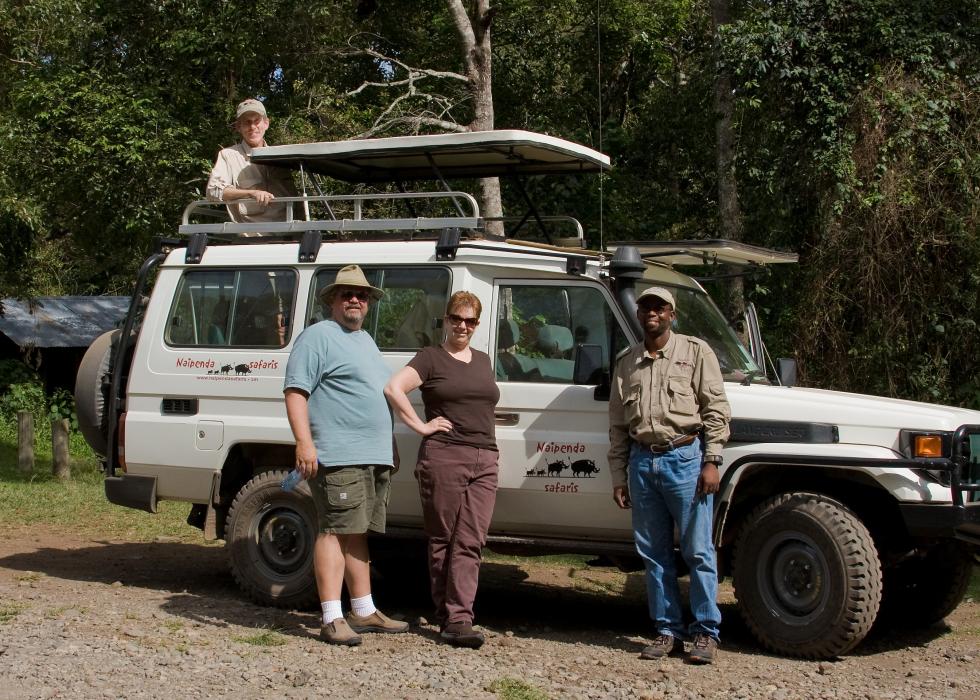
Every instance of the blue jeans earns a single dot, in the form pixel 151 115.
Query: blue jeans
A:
pixel 662 491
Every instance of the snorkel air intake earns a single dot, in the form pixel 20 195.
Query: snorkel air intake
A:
pixel 625 268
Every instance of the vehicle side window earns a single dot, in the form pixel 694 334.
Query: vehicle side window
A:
pixel 233 308
pixel 539 327
pixel 409 316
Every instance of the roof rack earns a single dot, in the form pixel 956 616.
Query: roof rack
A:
pixel 356 205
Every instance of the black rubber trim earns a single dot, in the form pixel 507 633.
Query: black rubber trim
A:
pixel 132 491
pixel 757 430
pixel 178 407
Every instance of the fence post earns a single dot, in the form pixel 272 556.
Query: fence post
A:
pixel 60 465
pixel 25 442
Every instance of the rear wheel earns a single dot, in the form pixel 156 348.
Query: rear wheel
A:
pixel 270 537
pixel 927 587
pixel 807 576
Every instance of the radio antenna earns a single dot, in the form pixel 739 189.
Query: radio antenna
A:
pixel 598 83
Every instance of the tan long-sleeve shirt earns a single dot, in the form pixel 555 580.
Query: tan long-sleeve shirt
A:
pixel 234 168
pixel 659 397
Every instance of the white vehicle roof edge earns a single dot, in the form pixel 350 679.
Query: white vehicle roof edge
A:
pixel 499 152
pixel 706 252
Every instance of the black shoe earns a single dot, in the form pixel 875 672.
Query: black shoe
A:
pixel 663 645
pixel 703 649
pixel 462 634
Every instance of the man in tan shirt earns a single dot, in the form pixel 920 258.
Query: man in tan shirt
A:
pixel 667 397
pixel 234 178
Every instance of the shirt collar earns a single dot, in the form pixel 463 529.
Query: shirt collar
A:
pixel 666 351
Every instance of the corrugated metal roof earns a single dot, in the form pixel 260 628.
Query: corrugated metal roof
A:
pixel 60 322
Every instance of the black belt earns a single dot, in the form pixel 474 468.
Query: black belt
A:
pixel 673 444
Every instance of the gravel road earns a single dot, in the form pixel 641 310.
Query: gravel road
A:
pixel 82 618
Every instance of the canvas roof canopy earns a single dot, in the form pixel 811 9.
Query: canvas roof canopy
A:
pixel 707 252
pixel 474 154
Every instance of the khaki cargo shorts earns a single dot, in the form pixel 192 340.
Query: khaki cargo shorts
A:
pixel 351 500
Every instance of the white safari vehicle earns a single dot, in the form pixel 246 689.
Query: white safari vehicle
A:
pixel 832 507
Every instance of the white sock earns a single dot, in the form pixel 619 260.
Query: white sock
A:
pixel 331 610
pixel 363 606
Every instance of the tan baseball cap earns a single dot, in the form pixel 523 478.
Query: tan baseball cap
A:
pixel 350 276
pixel 660 293
pixel 250 105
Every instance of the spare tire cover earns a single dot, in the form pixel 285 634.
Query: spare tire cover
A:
pixel 91 390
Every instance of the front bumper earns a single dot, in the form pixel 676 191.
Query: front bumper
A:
pixel 943 520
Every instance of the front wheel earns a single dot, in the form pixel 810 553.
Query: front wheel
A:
pixel 807 576
pixel 270 538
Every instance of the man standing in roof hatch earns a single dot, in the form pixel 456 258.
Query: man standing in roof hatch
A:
pixel 234 177
pixel 667 398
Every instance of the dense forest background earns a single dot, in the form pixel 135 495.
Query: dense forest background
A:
pixel 845 130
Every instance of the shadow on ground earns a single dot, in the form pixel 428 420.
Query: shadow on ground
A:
pixel 197 585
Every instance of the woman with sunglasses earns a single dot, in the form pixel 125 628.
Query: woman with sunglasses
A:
pixel 457 461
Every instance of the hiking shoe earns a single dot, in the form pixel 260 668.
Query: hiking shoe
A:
pixel 703 649
pixel 663 645
pixel 376 622
pixel 339 632
pixel 462 634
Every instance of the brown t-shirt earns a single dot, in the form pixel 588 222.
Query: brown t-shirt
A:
pixel 463 393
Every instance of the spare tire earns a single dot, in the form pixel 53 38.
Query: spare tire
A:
pixel 92 391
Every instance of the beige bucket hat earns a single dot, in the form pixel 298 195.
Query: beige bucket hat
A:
pixel 659 293
pixel 350 276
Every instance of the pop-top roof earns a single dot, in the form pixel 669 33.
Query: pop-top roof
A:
pixel 465 155
pixel 707 252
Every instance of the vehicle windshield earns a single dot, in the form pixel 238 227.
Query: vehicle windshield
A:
pixel 697 315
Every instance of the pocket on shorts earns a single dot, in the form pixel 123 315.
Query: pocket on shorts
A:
pixel 344 489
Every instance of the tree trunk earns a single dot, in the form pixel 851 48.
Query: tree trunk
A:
pixel 729 211
pixel 25 442
pixel 60 462
pixel 474 35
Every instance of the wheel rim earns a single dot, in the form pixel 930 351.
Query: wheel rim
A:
pixel 792 573
pixel 280 539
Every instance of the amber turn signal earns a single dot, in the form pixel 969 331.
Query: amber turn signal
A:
pixel 927 446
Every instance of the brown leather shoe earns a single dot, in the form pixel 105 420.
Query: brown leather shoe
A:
pixel 376 622
pixel 703 649
pixel 462 634
pixel 663 645
pixel 339 632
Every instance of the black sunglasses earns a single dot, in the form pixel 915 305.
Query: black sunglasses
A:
pixel 348 294
pixel 456 320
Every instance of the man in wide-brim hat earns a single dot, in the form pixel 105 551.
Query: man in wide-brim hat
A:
pixel 334 389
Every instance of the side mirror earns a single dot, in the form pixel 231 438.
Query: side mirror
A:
pixel 588 364
pixel 786 371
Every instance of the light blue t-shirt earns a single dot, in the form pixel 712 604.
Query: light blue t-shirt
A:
pixel 344 374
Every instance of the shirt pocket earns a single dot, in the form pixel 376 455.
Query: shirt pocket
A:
pixel 681 395
pixel 344 490
pixel 632 409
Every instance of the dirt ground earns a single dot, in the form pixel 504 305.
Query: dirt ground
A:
pixel 87 618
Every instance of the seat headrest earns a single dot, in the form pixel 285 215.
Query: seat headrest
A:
pixel 555 339
pixel 508 334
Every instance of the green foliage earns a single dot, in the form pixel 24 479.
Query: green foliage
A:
pixel 516 689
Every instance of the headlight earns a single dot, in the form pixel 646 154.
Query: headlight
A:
pixel 927 445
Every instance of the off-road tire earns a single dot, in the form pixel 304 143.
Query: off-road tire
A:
pixel 91 390
pixel 807 576
pixel 928 586
pixel 269 536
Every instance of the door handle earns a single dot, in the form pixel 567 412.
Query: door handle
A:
pixel 506 418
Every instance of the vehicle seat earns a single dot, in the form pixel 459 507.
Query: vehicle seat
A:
pixel 556 343
pixel 420 326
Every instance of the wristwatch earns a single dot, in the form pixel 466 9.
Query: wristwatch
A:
pixel 717 461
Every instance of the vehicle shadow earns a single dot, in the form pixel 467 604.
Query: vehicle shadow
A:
pixel 196 584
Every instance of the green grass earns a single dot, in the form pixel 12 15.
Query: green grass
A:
pixel 973 591
pixel 265 638
pixel 8 611
pixel 515 689
pixel 78 505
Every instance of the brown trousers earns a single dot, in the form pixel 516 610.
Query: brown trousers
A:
pixel 458 486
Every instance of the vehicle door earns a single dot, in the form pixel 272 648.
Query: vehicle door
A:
pixel 553 434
